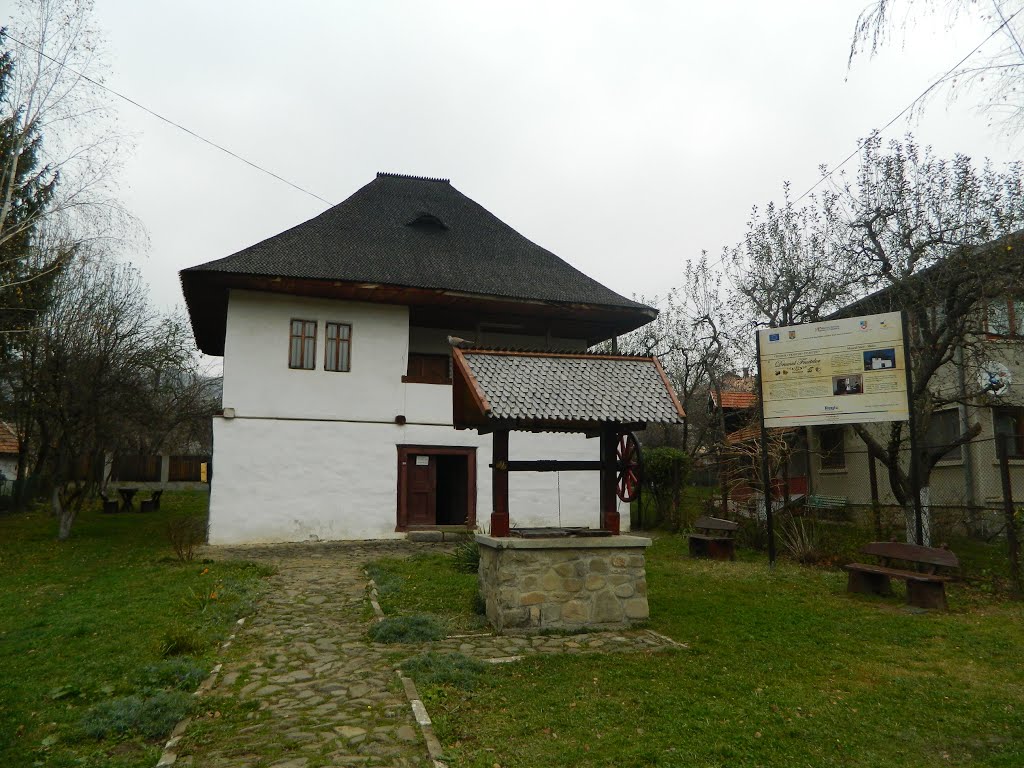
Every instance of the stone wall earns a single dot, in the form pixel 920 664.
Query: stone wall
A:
pixel 564 583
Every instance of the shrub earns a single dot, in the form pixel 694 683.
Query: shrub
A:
pixel 752 534
pixel 664 475
pixel 179 673
pixel 801 538
pixel 185 533
pixel 153 717
pixel 407 629
pixel 466 556
pixel 452 669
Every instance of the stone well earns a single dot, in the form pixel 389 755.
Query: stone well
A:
pixel 563 583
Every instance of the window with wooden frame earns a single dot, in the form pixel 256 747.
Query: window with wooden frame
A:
pixel 337 347
pixel 428 369
pixel 302 345
pixel 832 444
pixel 1004 317
pixel 1010 421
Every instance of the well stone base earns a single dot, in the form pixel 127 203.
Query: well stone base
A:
pixel 563 583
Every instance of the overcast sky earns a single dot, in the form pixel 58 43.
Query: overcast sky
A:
pixel 623 137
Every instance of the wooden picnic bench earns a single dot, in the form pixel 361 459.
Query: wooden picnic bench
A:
pixel 926 583
pixel 713 537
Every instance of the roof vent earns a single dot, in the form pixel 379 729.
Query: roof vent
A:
pixel 427 221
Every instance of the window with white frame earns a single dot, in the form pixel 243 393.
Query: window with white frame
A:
pixel 832 444
pixel 943 429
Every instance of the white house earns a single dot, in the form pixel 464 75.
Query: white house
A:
pixel 337 370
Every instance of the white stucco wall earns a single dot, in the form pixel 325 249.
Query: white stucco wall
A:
pixel 258 381
pixel 313 453
pixel 292 480
pixel 9 466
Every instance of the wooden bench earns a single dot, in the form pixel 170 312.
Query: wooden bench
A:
pixel 110 506
pixel 926 584
pixel 824 501
pixel 713 537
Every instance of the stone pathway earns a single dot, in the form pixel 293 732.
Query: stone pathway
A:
pixel 302 686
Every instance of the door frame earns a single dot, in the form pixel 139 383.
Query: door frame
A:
pixel 405 451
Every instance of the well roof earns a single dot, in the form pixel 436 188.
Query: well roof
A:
pixel 565 390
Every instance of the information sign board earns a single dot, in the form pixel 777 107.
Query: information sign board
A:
pixel 843 371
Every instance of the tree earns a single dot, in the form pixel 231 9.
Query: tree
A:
pixel 103 352
pixel 930 237
pixel 936 238
pixel 786 270
pixel 997 73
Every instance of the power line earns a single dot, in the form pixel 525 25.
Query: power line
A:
pixel 902 112
pixel 170 122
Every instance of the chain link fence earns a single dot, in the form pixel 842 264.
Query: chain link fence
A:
pixel 830 500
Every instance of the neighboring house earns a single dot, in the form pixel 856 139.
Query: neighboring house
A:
pixel 8 452
pixel 337 389
pixel 982 384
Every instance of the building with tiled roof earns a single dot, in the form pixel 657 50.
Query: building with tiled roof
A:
pixel 8 451
pixel 337 390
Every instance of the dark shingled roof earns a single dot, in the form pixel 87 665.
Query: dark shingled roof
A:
pixel 547 389
pixel 422 233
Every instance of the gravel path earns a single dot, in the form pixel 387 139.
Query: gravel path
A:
pixel 302 686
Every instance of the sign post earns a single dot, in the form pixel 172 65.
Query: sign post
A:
pixel 846 371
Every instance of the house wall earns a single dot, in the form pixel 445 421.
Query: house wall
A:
pixel 313 454
pixel 9 466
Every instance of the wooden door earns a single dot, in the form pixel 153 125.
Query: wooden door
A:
pixel 422 489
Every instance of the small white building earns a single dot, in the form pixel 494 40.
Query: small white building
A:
pixel 337 418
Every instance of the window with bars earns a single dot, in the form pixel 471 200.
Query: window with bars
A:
pixel 302 345
pixel 338 347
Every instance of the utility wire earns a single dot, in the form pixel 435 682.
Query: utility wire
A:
pixel 167 120
pixel 902 112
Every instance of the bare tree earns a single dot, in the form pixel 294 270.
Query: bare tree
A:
pixel 995 72
pixel 937 238
pixel 54 93
pixel 101 349
pixel 786 271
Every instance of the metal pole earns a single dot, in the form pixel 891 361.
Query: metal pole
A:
pixel 1012 544
pixel 766 481
pixel 915 477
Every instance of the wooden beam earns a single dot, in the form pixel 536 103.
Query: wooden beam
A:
pixel 609 512
pixel 499 484
pixel 551 465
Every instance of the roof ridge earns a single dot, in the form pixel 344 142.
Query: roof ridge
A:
pixel 388 175
pixel 534 352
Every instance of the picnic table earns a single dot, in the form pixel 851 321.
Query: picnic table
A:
pixel 127 498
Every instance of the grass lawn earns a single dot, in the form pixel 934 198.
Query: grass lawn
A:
pixel 109 618
pixel 447 593
pixel 782 668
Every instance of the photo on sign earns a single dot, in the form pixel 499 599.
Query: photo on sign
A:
pixel 848 385
pixel 879 359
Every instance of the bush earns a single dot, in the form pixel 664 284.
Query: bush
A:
pixel 186 533
pixel 664 476
pixel 452 669
pixel 466 556
pixel 182 642
pixel 153 717
pixel 178 673
pixel 802 540
pixel 407 629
